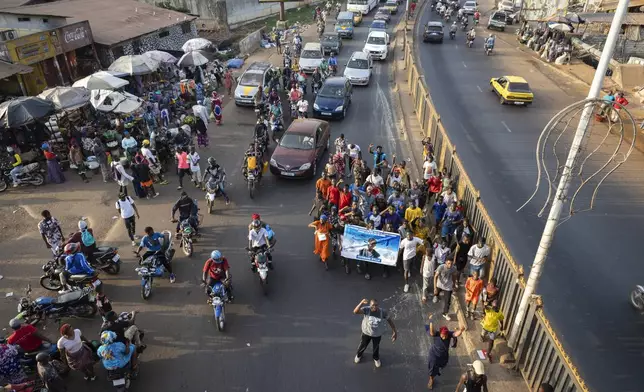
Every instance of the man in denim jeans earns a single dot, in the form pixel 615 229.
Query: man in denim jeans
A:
pixel 478 256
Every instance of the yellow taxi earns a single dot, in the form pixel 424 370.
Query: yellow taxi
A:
pixel 357 18
pixel 392 6
pixel 512 90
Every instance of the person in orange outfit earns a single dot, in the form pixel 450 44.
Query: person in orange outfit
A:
pixel 473 288
pixel 322 239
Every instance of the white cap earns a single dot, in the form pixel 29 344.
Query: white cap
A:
pixel 478 367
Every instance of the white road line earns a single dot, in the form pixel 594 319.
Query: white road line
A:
pixel 506 126
pixel 464 65
pixel 479 87
pixel 456 46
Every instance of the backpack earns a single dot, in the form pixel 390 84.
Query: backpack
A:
pixel 87 238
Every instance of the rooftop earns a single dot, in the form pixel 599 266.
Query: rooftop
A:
pixel 112 21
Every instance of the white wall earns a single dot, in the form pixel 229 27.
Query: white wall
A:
pixel 35 23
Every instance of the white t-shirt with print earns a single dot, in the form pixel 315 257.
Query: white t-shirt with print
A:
pixel 477 255
pixel 375 180
pixel 428 169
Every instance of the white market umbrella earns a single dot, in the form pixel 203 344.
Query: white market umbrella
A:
pixel 115 101
pixel 67 98
pixel 194 58
pixel 160 56
pixel 101 81
pixel 197 44
pixel 134 65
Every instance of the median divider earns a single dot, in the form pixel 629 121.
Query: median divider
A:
pixel 539 355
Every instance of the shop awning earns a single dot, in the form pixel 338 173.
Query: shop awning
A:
pixel 8 69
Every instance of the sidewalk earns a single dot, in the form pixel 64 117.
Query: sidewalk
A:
pixel 499 378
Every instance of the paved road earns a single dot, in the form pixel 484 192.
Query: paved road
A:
pixel 595 260
pixel 302 336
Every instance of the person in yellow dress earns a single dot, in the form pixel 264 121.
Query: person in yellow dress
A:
pixel 322 239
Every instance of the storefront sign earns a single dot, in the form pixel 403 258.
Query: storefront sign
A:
pixel 75 36
pixel 31 48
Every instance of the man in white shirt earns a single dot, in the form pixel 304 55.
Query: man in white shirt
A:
pixel 478 256
pixel 429 168
pixel 125 205
pixel 441 251
pixel 195 169
pixel 258 240
pixel 427 269
pixel 449 196
pixel 303 108
pixel 200 111
pixel 375 178
pixel 408 245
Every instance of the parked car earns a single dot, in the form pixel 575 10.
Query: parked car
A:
pixel 497 21
pixel 470 7
pixel 249 82
pixel 383 14
pixel 506 5
pixel 433 32
pixel 358 69
pixel 377 45
pixel 513 90
pixel 331 43
pixel 300 149
pixel 333 99
pixel 378 25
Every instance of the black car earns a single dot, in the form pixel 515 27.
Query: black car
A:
pixel 433 32
pixel 333 99
pixel 331 43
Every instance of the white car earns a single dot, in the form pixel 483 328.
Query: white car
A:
pixel 377 45
pixel 311 57
pixel 506 5
pixel 358 69
pixel 470 7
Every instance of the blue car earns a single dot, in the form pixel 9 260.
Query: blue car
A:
pixel 333 99
pixel 378 25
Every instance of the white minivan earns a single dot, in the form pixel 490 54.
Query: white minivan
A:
pixel 311 57
pixel 377 45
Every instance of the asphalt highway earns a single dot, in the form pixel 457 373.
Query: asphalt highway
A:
pixel 595 258
pixel 302 336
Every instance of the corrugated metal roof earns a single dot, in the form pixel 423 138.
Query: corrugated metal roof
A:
pixel 112 21
pixel 8 69
pixel 632 18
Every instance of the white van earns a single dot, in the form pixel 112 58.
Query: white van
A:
pixel 377 45
pixel 311 57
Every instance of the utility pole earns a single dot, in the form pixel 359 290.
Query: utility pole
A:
pixel 566 174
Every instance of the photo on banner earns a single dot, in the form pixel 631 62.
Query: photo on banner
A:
pixel 374 246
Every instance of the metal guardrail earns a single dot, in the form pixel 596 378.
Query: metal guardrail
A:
pixel 540 356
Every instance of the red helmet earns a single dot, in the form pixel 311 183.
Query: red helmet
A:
pixel 256 217
pixel 72 248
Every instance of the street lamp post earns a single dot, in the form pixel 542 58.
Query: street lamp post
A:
pixel 566 175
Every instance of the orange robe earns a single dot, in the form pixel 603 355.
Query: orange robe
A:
pixel 473 289
pixel 322 248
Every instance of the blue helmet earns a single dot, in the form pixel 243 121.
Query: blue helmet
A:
pixel 108 337
pixel 323 218
pixel 216 255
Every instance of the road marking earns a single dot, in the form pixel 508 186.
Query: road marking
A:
pixel 456 46
pixel 471 140
pixel 506 126
pixel 464 65
pixel 479 87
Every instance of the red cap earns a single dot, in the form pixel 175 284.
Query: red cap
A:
pixel 256 217
pixel 444 330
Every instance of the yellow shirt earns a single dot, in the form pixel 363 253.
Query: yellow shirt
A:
pixel 413 213
pixel 491 320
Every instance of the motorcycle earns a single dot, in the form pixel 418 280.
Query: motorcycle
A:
pixel 637 298
pixel 333 69
pixel 152 267
pixel 293 109
pixel 488 50
pixel 218 297
pixel 470 42
pixel 315 86
pixel 77 303
pixel 464 26
pixel 277 127
pixel 120 378
pixel 212 190
pixel 50 280
pixel 252 178
pixel 31 174
pixel 186 234
pixel 452 34
pixel 261 266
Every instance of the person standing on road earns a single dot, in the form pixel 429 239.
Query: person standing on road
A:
pixel 478 257
pixel 75 352
pixel 125 205
pixel 195 168
pixel 491 324
pixel 120 175
pixel 444 280
pixel 439 350
pixel 50 231
pixel 473 289
pixel 474 379
pixel 427 270
pixel 408 245
pixel 459 254
pixel 183 167
pixel 322 239
pixel 379 157
pixel 228 81
pixel 373 326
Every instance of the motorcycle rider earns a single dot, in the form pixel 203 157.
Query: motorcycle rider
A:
pixel 16 164
pixel 316 80
pixel 152 242
pixel 453 29
pixel 333 63
pixel 259 97
pixel 116 355
pixel 75 264
pixel 303 108
pixel 123 325
pixel 85 237
pixel 258 240
pixel 471 35
pixel 217 174
pixel 273 97
pixel 216 269
pixel 26 336
pixel 477 15
pixel 489 42
pixel 187 210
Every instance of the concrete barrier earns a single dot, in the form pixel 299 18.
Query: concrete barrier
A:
pixel 251 43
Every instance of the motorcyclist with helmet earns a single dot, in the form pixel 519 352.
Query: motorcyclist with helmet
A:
pixel 453 29
pixel 258 241
pixel 152 242
pixel 216 269
pixel 75 263
pixel 217 174
pixel 471 35
pixel 16 165
pixel 187 208
pixel 489 42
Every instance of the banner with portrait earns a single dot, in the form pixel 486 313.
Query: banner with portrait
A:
pixel 374 246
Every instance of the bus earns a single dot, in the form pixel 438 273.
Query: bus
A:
pixel 362 6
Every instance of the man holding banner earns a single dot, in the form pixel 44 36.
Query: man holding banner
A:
pixel 370 246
